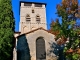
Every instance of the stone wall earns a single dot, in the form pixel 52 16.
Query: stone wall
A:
pixel 48 37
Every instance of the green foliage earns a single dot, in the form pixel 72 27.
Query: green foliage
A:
pixel 66 29
pixel 73 56
pixel 6 30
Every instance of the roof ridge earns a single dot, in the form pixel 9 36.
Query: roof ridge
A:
pixel 41 28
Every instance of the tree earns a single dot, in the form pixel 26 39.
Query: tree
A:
pixel 69 11
pixel 6 30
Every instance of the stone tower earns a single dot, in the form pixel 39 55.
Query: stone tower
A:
pixel 33 29
pixel 32 16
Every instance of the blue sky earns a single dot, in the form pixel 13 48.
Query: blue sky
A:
pixel 50 10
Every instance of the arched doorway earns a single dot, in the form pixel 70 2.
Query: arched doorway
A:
pixel 40 49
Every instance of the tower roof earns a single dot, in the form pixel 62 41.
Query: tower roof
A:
pixel 32 2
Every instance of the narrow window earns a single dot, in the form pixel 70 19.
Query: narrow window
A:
pixel 32 10
pixel 38 19
pixel 28 19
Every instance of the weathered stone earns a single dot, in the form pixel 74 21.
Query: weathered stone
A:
pixel 33 31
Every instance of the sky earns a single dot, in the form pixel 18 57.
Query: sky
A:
pixel 50 11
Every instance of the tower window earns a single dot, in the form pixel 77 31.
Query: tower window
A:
pixel 38 19
pixel 27 4
pixel 32 10
pixel 28 19
pixel 38 5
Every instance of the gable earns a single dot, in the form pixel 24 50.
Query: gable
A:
pixel 36 30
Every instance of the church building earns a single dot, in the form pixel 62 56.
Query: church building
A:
pixel 33 28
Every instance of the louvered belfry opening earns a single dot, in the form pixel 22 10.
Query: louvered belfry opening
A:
pixel 40 49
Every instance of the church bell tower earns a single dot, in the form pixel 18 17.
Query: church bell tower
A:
pixel 32 16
